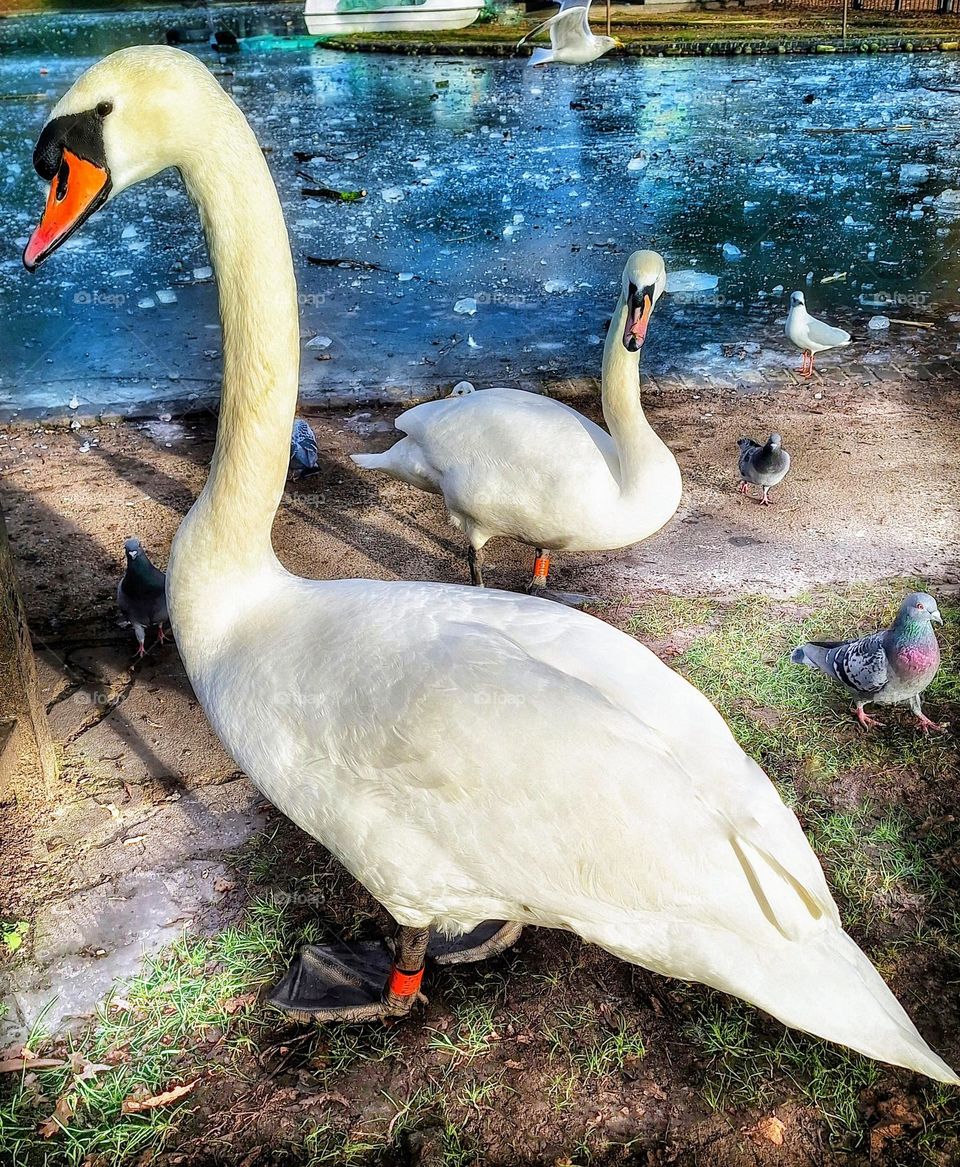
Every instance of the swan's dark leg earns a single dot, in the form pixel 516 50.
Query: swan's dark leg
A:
pixel 538 585
pixel 354 982
pixel 475 559
pixel 486 940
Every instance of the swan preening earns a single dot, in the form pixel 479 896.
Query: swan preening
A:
pixel 352 705
pixel 527 467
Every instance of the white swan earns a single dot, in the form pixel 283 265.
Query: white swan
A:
pixel 466 754
pixel 526 467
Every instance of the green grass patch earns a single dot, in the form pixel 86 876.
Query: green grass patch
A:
pixel 150 1034
pixel 748 1065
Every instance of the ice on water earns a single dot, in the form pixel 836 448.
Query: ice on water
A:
pixel 514 203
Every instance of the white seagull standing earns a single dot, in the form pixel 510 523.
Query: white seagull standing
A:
pixel 811 336
pixel 571 41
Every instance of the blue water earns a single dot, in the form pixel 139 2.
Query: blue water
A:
pixel 524 191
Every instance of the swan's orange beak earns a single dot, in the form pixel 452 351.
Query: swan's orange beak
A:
pixel 639 310
pixel 78 189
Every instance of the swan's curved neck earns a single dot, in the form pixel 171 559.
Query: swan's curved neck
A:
pixel 229 525
pixel 638 447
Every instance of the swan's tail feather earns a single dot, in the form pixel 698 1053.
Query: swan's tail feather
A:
pixel 371 461
pixel 823 985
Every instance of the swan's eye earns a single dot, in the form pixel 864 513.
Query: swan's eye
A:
pixel 104 108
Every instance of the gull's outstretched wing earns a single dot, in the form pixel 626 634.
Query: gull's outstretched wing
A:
pixel 565 7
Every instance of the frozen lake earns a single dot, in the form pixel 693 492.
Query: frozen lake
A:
pixel 521 191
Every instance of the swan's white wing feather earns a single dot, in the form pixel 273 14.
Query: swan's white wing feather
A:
pixel 477 711
pixel 506 426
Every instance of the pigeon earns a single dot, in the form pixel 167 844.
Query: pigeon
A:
pixel 765 466
pixel 462 389
pixel 810 335
pixel 303 448
pixel 142 593
pixel 887 668
pixel 571 41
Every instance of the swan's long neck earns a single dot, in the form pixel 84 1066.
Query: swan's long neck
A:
pixel 229 526
pixel 639 449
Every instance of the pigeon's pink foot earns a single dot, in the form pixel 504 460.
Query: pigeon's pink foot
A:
pixel 742 488
pixel 141 651
pixel 865 720
pixel 928 726
pixel 161 636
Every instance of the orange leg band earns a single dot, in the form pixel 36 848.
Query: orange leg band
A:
pixel 404 984
pixel 541 566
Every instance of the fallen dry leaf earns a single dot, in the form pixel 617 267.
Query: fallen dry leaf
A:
pixel 13 1065
pixel 62 1113
pixel 881 1135
pixel 134 1104
pixel 83 1069
pixel 771 1129
pixel 234 1004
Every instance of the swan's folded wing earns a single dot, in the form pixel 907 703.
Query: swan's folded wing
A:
pixel 560 732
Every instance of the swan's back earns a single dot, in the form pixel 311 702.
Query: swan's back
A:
pixel 506 424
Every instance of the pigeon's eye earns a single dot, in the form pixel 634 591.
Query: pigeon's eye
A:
pixel 104 108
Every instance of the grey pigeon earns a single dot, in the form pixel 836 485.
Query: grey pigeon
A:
pixel 887 668
pixel 765 466
pixel 142 593
pixel 303 448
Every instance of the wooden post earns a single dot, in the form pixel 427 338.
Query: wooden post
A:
pixel 28 760
pixel 845 3
pixel 608 17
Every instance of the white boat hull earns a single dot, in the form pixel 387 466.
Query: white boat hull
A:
pixel 323 19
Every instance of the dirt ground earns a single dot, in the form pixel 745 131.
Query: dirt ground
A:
pixel 874 492
pixel 536 1059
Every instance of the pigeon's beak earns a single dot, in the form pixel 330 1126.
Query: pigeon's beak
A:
pixel 936 617
pixel 639 310
pixel 618 42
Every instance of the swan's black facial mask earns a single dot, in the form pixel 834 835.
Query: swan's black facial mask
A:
pixel 71 156
pixel 639 308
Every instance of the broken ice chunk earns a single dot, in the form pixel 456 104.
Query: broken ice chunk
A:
pixel 147 302
pixel 391 194
pixel 690 281
pixel 466 307
pixel 878 323
pixel 74 402
pixel 166 296
pixel 731 252
pixel 404 276
pixel 202 273
pixel 319 342
pixel 129 232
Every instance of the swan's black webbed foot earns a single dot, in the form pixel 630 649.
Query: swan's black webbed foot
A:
pixel 354 982
pixel 486 940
